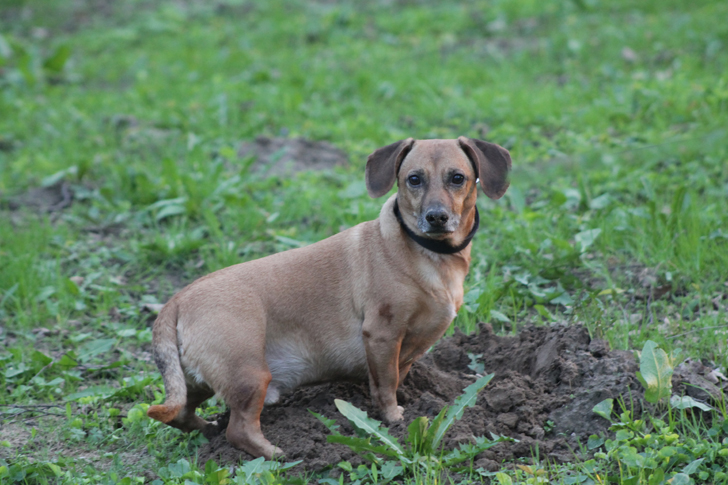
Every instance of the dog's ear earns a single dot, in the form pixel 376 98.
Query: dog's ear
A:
pixel 492 164
pixel 383 165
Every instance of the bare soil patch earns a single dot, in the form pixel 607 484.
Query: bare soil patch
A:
pixel 42 199
pixel 286 156
pixel 547 380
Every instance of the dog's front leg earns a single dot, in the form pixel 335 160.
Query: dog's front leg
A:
pixel 382 344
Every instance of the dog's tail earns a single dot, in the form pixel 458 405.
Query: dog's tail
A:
pixel 166 356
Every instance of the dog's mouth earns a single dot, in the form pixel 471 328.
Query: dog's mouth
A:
pixel 438 233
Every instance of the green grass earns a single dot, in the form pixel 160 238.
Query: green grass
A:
pixel 615 114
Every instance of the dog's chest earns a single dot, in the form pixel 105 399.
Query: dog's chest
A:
pixel 444 282
pixel 440 299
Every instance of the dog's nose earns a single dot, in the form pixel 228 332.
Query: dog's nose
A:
pixel 437 217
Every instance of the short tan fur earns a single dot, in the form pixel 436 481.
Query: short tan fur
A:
pixel 363 304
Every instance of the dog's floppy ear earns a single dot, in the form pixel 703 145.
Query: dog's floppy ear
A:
pixel 383 165
pixel 492 164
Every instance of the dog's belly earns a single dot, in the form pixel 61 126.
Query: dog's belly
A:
pixel 294 362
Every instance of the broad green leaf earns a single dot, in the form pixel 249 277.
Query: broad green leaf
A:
pixel 466 451
pixel 179 469
pixel 600 202
pixel 686 402
pixel 170 210
pixel 624 435
pixel 604 409
pixel 575 479
pixel 72 287
pixel 251 468
pixel 630 457
pixel 58 176
pixel 362 444
pixel 390 470
pixel 55 469
pixel 594 441
pixel 655 372
pixel 434 426
pixel 11 372
pixel 287 465
pixel 360 420
pixel 667 451
pixel 418 434
pixel 466 399
pixel 498 316
pixel 165 202
pixel 56 61
pixel 67 361
pixel 679 479
pixel 585 239
pixel 41 358
pixel 503 479
pixel 95 347
pixel 692 467
pixel 563 299
pixel 657 477
pixel 8 294
pixel 134 387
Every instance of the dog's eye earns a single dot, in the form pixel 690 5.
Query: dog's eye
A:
pixel 458 179
pixel 414 180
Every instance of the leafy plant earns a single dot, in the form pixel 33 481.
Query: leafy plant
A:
pixel 364 474
pixel 653 451
pixel 655 372
pixel 258 472
pixel 424 439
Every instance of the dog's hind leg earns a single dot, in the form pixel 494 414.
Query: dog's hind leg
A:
pixel 187 420
pixel 246 401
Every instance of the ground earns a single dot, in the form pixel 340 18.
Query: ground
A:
pixel 144 144
pixel 542 374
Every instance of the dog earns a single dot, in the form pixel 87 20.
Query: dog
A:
pixel 363 304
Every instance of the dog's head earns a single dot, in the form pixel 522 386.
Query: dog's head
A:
pixel 436 181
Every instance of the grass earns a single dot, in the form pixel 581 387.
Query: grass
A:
pixel 615 114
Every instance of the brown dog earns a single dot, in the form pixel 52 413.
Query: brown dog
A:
pixel 366 302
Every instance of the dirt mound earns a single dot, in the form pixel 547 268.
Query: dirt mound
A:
pixel 547 380
pixel 51 198
pixel 284 156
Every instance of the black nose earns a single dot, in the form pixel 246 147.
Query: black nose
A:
pixel 436 217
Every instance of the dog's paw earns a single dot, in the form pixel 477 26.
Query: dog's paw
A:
pixel 396 414
pixel 272 395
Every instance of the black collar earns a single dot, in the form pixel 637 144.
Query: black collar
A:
pixel 441 247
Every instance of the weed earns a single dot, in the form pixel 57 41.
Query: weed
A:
pixel 423 455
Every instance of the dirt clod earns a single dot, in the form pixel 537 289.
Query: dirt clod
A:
pixel 547 380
